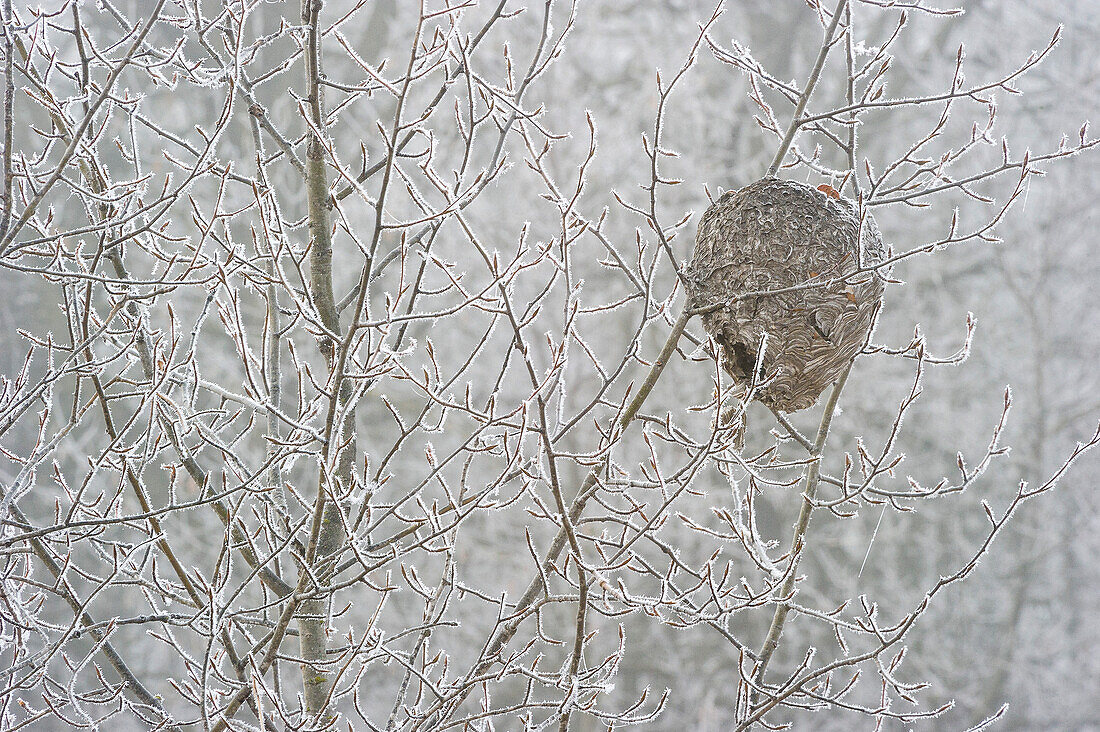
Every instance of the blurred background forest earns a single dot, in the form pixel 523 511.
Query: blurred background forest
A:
pixel 1023 629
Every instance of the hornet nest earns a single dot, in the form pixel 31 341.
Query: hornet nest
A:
pixel 772 235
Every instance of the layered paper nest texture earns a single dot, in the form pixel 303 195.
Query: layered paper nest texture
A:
pixel 773 235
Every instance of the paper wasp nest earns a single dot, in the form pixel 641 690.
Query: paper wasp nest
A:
pixel 776 234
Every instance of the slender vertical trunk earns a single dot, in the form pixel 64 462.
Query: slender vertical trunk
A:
pixel 327 533
pixel 798 542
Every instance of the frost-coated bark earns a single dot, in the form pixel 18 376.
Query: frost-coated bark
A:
pixel 379 393
pixel 334 478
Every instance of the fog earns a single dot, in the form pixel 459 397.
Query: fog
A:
pixel 353 369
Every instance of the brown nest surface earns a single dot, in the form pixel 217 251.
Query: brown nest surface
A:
pixel 773 235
